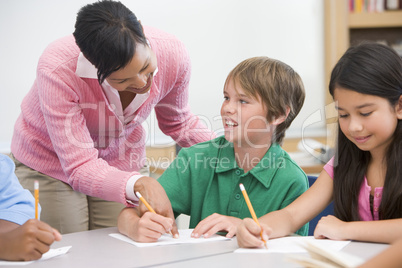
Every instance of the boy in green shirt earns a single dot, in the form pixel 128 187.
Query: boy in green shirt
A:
pixel 262 96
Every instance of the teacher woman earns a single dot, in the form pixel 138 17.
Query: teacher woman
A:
pixel 80 134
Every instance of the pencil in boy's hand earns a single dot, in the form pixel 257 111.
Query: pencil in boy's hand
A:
pixel 147 205
pixel 36 195
pixel 252 212
pixel 145 202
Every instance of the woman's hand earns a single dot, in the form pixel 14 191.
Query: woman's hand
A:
pixel 156 196
pixel 330 227
pixel 215 223
pixel 249 234
pixel 28 241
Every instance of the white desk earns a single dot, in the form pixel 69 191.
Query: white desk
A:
pixel 234 260
pixel 97 249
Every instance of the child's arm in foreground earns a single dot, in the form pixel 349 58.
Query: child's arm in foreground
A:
pixel 391 257
pixel 303 209
pixel 147 228
pixel 383 231
pixel 26 242
pixel 288 220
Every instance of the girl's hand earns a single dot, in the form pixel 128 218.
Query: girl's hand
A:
pixel 330 227
pixel 215 223
pixel 150 227
pixel 248 234
pixel 28 241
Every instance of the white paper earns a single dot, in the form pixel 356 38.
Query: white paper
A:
pixel 293 244
pixel 53 252
pixel 167 239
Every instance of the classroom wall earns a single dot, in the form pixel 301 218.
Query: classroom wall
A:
pixel 218 35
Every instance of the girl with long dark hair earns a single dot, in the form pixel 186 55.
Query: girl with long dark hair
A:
pixel 364 179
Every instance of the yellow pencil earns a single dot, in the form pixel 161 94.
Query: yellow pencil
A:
pixel 36 194
pixel 147 205
pixel 250 207
pixel 145 202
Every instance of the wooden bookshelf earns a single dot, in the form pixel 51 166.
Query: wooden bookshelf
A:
pixel 386 19
pixel 343 28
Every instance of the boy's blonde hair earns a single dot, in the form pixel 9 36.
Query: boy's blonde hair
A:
pixel 278 86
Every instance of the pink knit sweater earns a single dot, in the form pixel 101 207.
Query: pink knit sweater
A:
pixel 68 130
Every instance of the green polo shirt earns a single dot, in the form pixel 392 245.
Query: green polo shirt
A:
pixel 204 179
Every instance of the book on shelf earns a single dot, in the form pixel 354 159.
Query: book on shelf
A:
pixel 358 6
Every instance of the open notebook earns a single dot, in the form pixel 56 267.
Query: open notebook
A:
pixel 324 257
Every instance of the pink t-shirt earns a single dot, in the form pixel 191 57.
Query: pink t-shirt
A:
pixel 364 196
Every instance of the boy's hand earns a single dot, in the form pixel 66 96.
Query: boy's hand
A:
pixel 215 223
pixel 146 229
pixel 150 227
pixel 248 234
pixel 156 196
pixel 28 241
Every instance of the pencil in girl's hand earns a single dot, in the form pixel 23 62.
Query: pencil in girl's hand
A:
pixel 36 195
pixel 250 207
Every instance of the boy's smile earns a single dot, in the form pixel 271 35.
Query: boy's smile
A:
pixel 244 118
pixel 230 123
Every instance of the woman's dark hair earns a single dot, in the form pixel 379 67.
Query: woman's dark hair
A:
pixel 107 33
pixel 373 69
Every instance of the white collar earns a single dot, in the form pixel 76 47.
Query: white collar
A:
pixel 85 68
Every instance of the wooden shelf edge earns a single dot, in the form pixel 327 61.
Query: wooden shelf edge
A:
pixel 375 20
pixel 313 169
